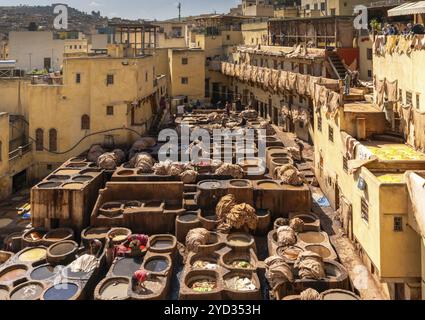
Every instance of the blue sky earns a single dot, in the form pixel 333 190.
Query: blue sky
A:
pixel 134 9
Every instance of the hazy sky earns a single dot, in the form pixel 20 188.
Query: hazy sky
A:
pixel 133 9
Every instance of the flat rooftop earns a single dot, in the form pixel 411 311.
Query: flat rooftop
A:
pixel 388 151
pixel 361 107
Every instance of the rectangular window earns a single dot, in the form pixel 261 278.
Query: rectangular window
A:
pixel 400 95
pixel 185 61
pixel 319 124
pixel 275 64
pixel 369 54
pixel 78 78
pixel 331 134
pixel 408 98
pixel 228 37
pixel 109 79
pixel 110 110
pixel 364 210
pixel 398 224
pixel 322 6
pixel 185 80
pixel 369 73
pixel 345 164
pixel 418 101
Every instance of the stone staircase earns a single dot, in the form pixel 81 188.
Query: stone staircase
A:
pixel 336 65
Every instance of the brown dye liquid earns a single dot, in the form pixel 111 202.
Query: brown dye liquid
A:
pixel 188 217
pixel 62 248
pixel 311 237
pixel 13 274
pixel 57 235
pixel 115 290
pixel 156 265
pixel 67 172
pixel 96 233
pixel 72 186
pixel 269 185
pixel 338 296
pixel 291 253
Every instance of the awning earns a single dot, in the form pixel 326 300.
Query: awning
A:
pixel 407 9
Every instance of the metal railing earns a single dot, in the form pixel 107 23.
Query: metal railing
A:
pixel 20 152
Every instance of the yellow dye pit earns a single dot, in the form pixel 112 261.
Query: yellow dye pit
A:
pixel 32 255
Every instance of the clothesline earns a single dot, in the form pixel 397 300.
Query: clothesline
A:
pixel 280 81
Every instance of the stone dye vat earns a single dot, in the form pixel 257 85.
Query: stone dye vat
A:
pixel 242 189
pixel 33 254
pixel 57 235
pixel 208 219
pixel 336 278
pixel 33 237
pixel 161 202
pixel 289 254
pixel 209 193
pixel 185 222
pixel 163 243
pixel 222 271
pixel 63 291
pixel 310 219
pixel 44 272
pixel 118 235
pixel 113 289
pixel 12 273
pixel 67 201
pixel 94 233
pixel 338 294
pixel 317 242
pixel 32 290
pixel 62 253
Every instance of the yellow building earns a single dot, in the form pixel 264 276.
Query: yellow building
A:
pixel 255 32
pixel 187 73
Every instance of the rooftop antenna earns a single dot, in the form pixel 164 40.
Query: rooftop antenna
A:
pixel 179 6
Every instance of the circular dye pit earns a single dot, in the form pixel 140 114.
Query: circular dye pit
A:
pixel 339 295
pixel 58 178
pixel 33 255
pixel 58 235
pixel 306 218
pixel 115 289
pixel 150 286
pixel 125 172
pixel 90 172
pixel 96 233
pixel 13 273
pixel 77 165
pixel 241 264
pixel 49 185
pixel 311 237
pixel 269 185
pixel 190 217
pixel 290 253
pixel 43 272
pixel 67 172
pixel 156 264
pixel 162 244
pixel 279 155
pixel 210 185
pixel 4 222
pixel 77 159
pixel 63 291
pixel 73 186
pixel 82 178
pixel 62 248
pixel 132 205
pixel 239 240
pixel 322 251
pixel 281 161
pixel 205 264
pixel 125 267
pixel 209 216
pixel 239 183
pixel 262 212
pixel 203 284
pixel 28 291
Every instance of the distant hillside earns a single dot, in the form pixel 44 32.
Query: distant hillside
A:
pixel 19 17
